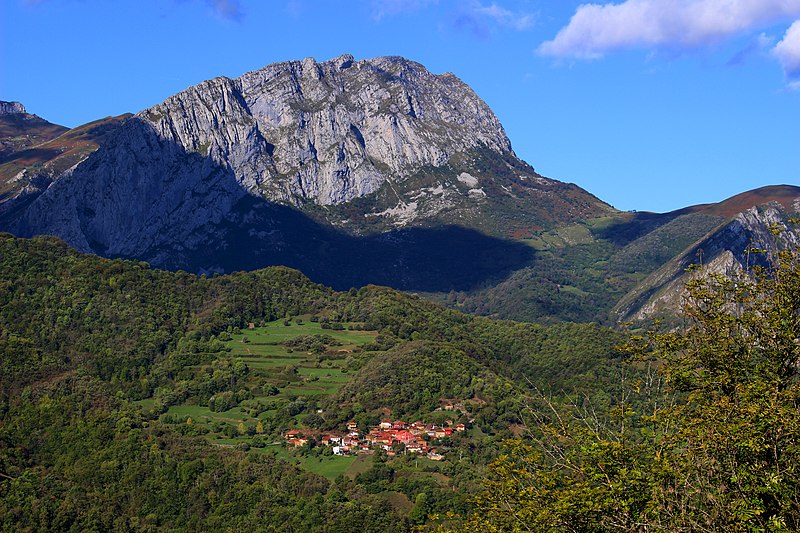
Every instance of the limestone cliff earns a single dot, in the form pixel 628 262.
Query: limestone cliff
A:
pixel 11 108
pixel 300 133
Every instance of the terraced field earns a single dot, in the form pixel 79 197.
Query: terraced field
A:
pixel 291 367
pixel 264 350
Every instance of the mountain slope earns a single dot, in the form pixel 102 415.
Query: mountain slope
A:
pixel 604 269
pixel 725 249
pixel 356 170
pixel 34 153
pixel 20 130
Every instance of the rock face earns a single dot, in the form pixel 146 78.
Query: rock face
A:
pixel 11 108
pixel 175 178
pixel 291 132
pixel 726 250
pixel 342 128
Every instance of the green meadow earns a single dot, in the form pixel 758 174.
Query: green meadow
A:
pixel 281 371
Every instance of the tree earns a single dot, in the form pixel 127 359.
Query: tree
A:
pixel 734 442
pixel 719 450
pixel 419 513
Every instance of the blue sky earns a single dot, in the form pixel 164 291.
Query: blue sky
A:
pixel 648 104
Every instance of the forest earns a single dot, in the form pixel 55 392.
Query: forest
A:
pixel 135 399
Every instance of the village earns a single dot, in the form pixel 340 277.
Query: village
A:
pixel 393 437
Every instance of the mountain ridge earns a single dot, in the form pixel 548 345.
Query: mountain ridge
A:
pixel 355 172
pixel 207 169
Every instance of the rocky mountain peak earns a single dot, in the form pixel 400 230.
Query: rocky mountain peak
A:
pixel 343 148
pixel 331 131
pixel 11 108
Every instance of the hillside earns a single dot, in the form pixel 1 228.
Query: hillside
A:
pixel 607 269
pixel 20 130
pixel 124 380
pixel 40 153
pixel 730 248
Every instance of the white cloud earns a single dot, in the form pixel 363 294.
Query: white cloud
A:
pixel 502 16
pixel 596 29
pixel 787 51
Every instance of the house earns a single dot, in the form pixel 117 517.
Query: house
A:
pixel 417 428
pixel 461 427
pixel 341 450
pixel 384 438
pixel 352 426
pixel 329 440
pixel 405 437
pixel 433 456
pixel 292 434
pixel 416 448
pixel 251 325
pixel 386 424
pixel 297 442
pixel 398 424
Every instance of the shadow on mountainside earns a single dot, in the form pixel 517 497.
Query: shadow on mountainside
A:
pixel 257 233
pixel 631 226
pixel 173 186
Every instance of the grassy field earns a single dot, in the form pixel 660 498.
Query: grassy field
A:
pixel 295 373
pixel 330 467
pixel 359 466
pixel 202 415
pixel 276 332
pixel 320 375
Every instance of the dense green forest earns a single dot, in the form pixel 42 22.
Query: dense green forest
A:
pixel 99 358
pixel 135 399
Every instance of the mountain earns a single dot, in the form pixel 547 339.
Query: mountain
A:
pixel 606 269
pixel 20 130
pixel 357 172
pixel 352 171
pixel 747 224
pixel 34 152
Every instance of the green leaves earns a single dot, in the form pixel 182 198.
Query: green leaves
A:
pixel 724 457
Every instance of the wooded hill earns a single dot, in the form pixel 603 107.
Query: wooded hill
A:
pixel 87 343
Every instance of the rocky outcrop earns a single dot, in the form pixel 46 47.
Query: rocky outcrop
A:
pixel 327 132
pixel 11 108
pixel 727 250
pixel 300 133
